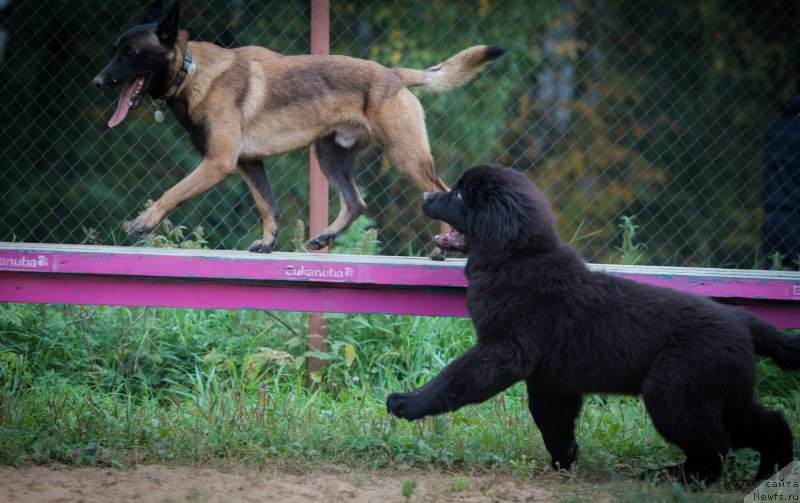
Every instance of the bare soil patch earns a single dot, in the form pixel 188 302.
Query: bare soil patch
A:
pixel 160 483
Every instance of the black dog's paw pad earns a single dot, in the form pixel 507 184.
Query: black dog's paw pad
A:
pixel 405 406
pixel 394 404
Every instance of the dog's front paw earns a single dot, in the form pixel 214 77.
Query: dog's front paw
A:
pixel 140 227
pixel 320 242
pixel 261 246
pixel 405 406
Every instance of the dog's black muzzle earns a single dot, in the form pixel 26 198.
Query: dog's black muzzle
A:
pixel 435 205
pixel 427 200
pixel 103 83
pixel 114 75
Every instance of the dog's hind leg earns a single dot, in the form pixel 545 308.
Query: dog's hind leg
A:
pixel 256 179
pixel 754 426
pixel 338 166
pixel 690 418
pixel 555 417
pixel 400 127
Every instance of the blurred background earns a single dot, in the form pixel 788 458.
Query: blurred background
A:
pixel 652 109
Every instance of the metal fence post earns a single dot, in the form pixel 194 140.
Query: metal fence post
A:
pixel 318 185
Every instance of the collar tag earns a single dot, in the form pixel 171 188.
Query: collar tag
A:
pixel 158 115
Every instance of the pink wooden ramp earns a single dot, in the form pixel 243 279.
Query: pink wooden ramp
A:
pixel 128 276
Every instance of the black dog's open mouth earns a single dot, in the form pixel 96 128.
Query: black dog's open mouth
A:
pixel 453 241
pixel 131 97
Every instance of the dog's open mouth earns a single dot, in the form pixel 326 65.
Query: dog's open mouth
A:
pixel 131 97
pixel 452 241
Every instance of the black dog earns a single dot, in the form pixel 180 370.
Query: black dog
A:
pixel 543 317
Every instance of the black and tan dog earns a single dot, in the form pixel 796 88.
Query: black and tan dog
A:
pixel 243 105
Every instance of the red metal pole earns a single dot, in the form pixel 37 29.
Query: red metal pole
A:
pixel 318 185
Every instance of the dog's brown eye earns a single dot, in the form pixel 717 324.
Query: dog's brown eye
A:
pixel 127 51
pixel 458 195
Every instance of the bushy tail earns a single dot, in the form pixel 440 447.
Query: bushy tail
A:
pixel 768 341
pixel 453 72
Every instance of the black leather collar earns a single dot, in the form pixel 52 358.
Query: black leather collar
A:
pixel 187 68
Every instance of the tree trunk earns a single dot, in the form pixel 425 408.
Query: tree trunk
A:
pixel 556 86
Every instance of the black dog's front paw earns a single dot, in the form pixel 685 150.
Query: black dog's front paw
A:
pixel 405 406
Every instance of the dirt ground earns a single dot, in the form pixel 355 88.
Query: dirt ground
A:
pixel 158 483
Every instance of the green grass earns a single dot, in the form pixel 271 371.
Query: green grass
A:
pixel 113 386
pixel 116 386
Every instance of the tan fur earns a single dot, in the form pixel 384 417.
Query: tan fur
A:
pixel 252 103
pixel 457 70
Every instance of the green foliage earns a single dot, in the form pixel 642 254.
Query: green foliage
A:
pixel 776 262
pixel 299 237
pixel 631 252
pixel 114 386
pixel 408 489
pixel 665 121
pixel 360 239
pixel 14 373
pixel 167 235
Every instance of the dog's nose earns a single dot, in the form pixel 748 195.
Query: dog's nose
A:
pixel 100 83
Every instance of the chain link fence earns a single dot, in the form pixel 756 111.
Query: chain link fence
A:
pixel 655 110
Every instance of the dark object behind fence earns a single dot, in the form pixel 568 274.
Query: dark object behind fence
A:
pixel 781 199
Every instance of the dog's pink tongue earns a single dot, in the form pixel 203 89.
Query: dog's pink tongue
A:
pixel 124 103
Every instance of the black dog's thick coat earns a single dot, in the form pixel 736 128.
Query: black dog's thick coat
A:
pixel 543 317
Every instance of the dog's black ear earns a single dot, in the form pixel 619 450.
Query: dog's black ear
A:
pixel 155 13
pixel 167 29
pixel 493 223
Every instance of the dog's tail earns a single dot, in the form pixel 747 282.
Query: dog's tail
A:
pixel 453 72
pixel 782 348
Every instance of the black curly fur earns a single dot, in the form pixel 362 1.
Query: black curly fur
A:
pixel 543 317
